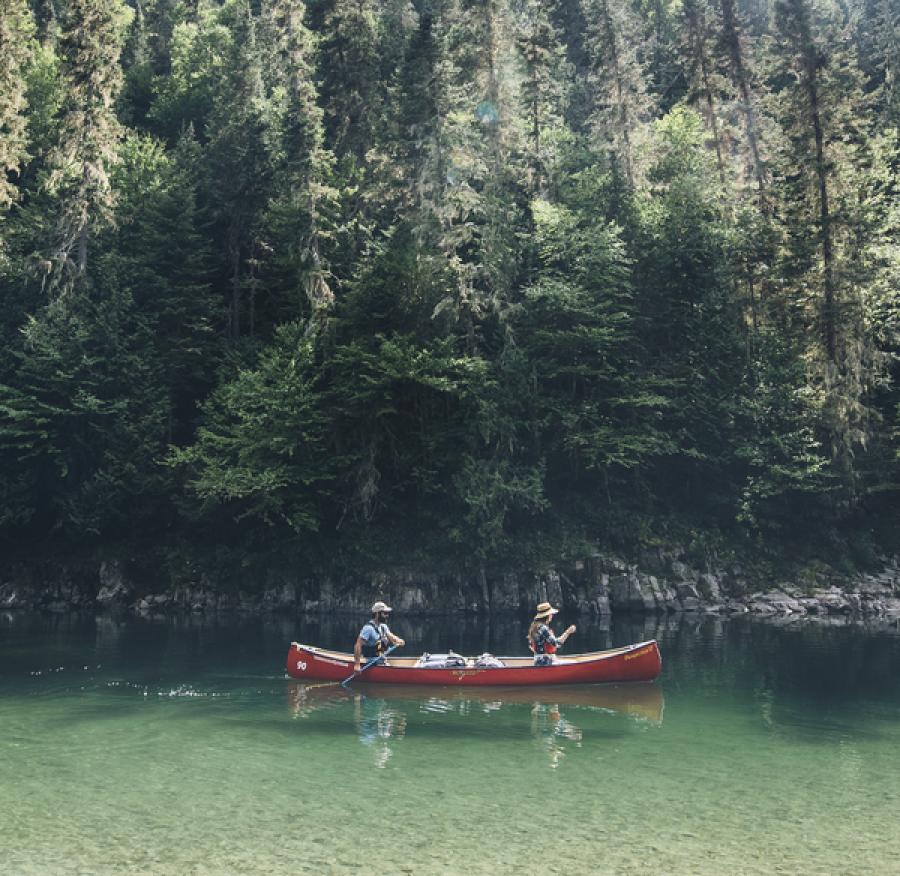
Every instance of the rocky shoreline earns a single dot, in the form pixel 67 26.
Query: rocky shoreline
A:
pixel 599 586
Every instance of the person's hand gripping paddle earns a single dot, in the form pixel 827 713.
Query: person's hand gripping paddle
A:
pixel 373 660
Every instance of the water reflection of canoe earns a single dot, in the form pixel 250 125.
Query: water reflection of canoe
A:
pixel 644 699
pixel 632 663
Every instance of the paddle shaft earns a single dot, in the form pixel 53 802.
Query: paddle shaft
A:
pixel 373 660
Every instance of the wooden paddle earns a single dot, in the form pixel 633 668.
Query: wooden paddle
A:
pixel 373 660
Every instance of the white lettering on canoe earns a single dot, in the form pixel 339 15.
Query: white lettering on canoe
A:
pixel 301 666
pixel 331 662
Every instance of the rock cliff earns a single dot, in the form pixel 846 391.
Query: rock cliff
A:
pixel 598 586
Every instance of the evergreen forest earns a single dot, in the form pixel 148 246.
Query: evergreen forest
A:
pixel 362 282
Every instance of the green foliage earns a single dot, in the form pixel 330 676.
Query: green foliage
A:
pixel 577 330
pixel 373 282
pixel 89 48
pixel 779 425
pixel 262 444
pixel 162 229
pixel 84 417
pixel 15 50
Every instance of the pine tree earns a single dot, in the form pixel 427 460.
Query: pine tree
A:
pixel 46 21
pixel 348 68
pixel 83 423
pixel 244 142
pixel 542 54
pixel 732 48
pixel 422 103
pixel 16 28
pixel 302 177
pixel 89 48
pixel 887 45
pixel 161 17
pixel 622 103
pixel 705 84
pixel 163 238
pixel 657 45
pixel 820 108
pixel 483 26
pixel 823 113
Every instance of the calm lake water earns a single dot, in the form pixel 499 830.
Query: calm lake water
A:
pixel 179 746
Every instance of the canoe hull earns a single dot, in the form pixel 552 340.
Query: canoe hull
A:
pixel 639 662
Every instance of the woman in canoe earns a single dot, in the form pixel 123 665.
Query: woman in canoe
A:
pixel 540 637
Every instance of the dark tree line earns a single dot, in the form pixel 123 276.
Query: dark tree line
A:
pixel 357 281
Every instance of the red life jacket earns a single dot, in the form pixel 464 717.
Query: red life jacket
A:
pixel 548 647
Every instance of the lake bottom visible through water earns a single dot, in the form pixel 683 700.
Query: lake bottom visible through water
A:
pixel 174 746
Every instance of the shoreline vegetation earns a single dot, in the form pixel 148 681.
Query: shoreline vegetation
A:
pixel 452 285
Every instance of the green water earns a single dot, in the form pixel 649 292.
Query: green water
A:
pixel 174 747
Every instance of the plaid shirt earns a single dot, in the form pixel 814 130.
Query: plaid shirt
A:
pixel 542 637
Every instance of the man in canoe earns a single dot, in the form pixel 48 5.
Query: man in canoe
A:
pixel 540 637
pixel 375 637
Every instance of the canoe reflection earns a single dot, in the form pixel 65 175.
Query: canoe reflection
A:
pixel 380 718
pixel 644 699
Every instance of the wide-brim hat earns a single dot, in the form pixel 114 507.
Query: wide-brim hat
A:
pixel 380 606
pixel 545 610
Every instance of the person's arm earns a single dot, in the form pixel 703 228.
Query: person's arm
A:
pixel 357 652
pixel 558 641
pixel 394 640
pixel 567 633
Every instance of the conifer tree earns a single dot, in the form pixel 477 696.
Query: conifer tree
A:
pixel 541 52
pixel 15 34
pixel 705 85
pixel 657 43
pixel 162 235
pixel 732 47
pixel 482 24
pixel 820 109
pixel 422 104
pixel 89 48
pixel 46 21
pixel 242 152
pixel 161 17
pixel 83 421
pixel 823 114
pixel 414 156
pixel 622 102
pixel 887 45
pixel 302 177
pixel 348 68
pixel 481 36
pixel 468 204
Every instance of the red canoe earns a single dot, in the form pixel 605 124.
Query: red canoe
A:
pixel 633 663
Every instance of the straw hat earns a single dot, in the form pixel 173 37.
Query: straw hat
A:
pixel 545 610
pixel 380 606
